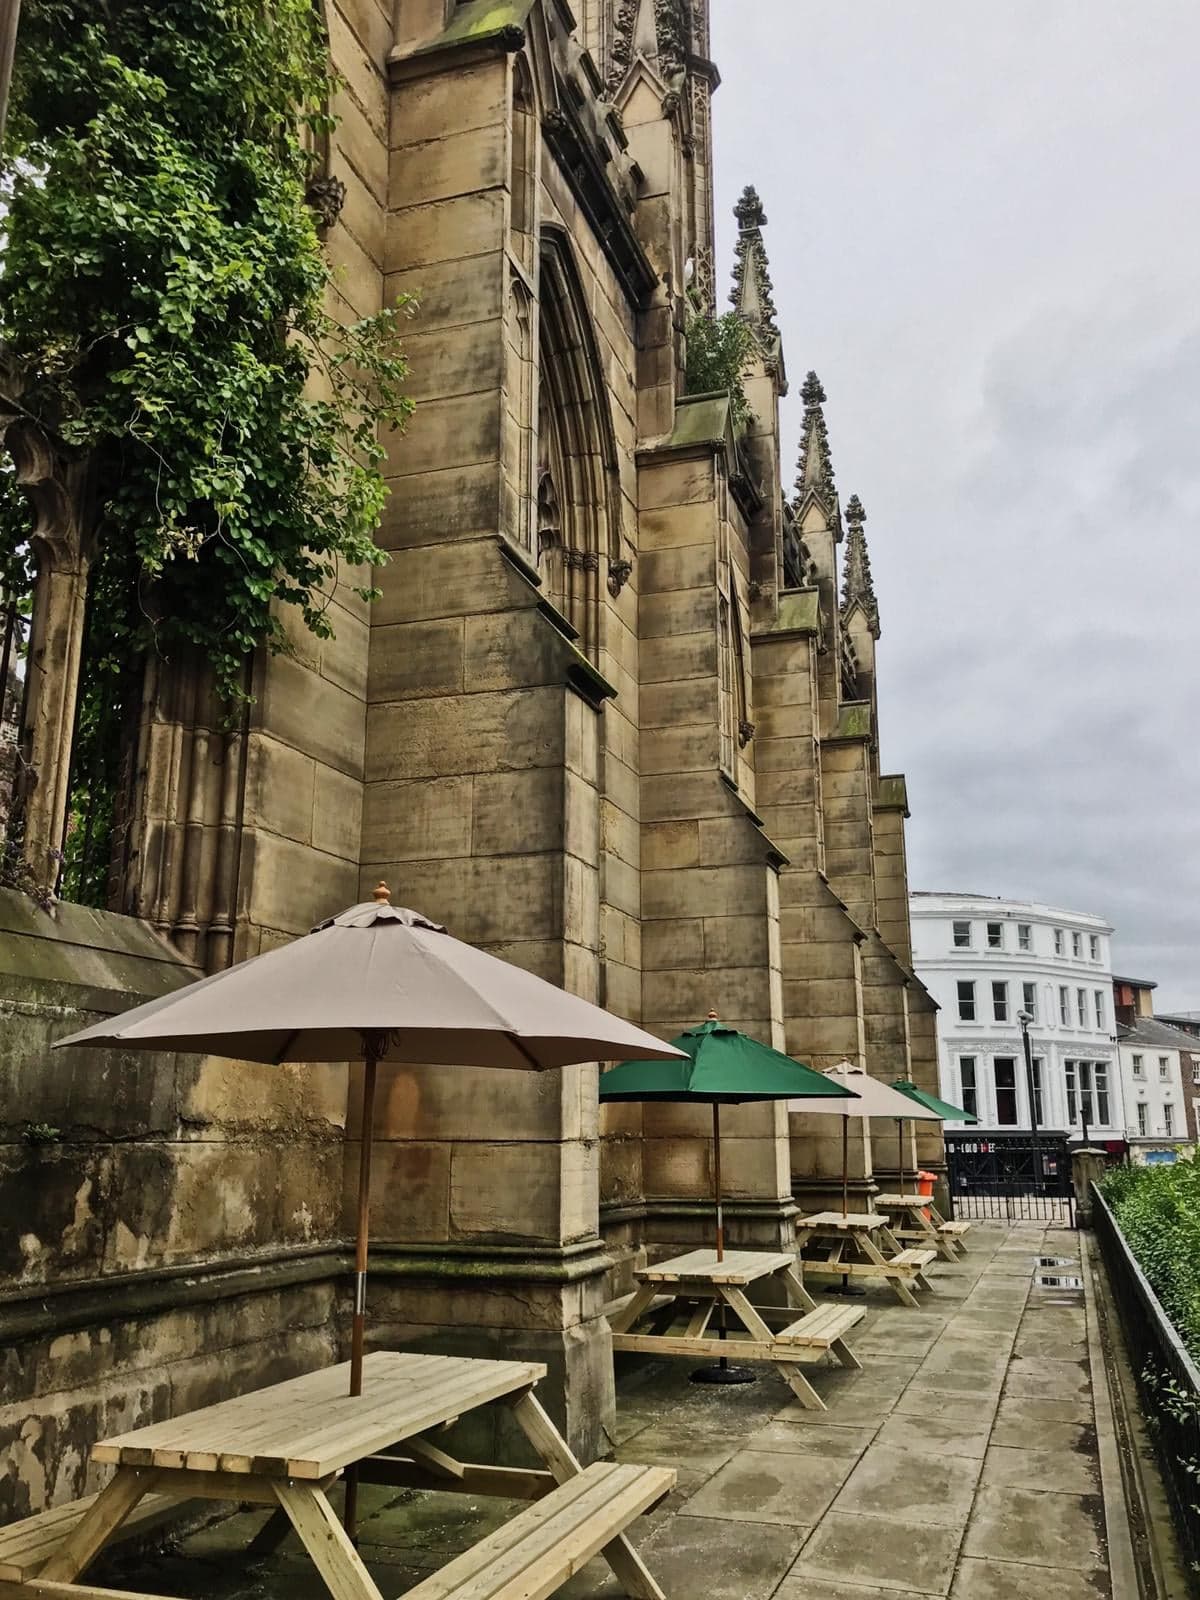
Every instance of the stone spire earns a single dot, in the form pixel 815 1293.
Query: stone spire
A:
pixel 857 585
pixel 815 475
pixel 658 30
pixel 752 295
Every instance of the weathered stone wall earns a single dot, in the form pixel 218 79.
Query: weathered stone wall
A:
pixel 172 1224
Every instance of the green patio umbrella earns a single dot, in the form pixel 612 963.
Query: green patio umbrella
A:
pixel 940 1108
pixel 723 1067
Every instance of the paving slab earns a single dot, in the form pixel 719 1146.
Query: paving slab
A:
pixel 891 1554
pixel 928 1490
pixel 1008 1580
pixel 1063 1471
pixel 720 1560
pixel 966 1436
pixel 1041 1379
pixel 1037 1528
pixel 827 1440
pixel 772 1486
pixel 1037 1433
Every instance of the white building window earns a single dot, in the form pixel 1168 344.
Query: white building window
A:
pixel 1038 1108
pixel 1168 1120
pixel 1094 946
pixel 1099 999
pixel 1081 1007
pixel 1072 1082
pixel 1000 1002
pixel 995 935
pixel 966 1002
pixel 962 935
pixel 1164 1067
pixel 1064 1006
pixel 1077 945
pixel 1143 1116
pixel 1029 999
pixel 968 1086
pixel 1100 1082
pixel 1195 1070
pixel 1139 1066
pixel 1058 941
pixel 1005 1070
pixel 1024 936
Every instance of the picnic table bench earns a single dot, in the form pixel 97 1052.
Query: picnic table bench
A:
pixel 286 1445
pixel 914 1216
pixel 856 1232
pixel 706 1284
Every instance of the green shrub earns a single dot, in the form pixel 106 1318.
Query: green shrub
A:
pixel 718 350
pixel 1158 1211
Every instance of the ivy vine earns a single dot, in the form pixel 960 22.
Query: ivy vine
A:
pixel 164 293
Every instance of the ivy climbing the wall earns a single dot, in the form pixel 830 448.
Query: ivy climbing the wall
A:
pixel 166 301
pixel 164 294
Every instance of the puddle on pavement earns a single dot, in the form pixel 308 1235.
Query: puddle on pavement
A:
pixel 1058 1280
pixel 1058 1261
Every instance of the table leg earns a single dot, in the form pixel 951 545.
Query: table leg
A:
pixel 326 1541
pixel 105 1515
pixel 628 1567
pixel 872 1252
pixel 797 1294
pixel 629 1314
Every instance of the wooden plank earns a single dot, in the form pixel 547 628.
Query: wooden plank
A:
pixel 437 1461
pixel 655 1344
pixel 800 1386
pixel 793 1282
pixel 845 1355
pixel 25 1546
pixel 738 1267
pixel 699 1320
pixel 310 1426
pixel 628 1567
pixel 531 1557
pixel 835 1222
pixel 326 1541
pixel 643 1298
pixel 40 1589
pixel 509 1483
pixel 745 1312
pixel 99 1522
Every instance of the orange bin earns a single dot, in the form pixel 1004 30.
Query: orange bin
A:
pixel 925 1183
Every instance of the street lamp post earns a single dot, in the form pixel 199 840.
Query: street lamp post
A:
pixel 1025 1018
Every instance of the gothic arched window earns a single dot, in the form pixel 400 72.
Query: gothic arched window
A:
pixel 577 488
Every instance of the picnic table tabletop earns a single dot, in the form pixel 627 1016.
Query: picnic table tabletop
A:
pixel 834 1221
pixel 899 1201
pixel 736 1266
pixel 284 1446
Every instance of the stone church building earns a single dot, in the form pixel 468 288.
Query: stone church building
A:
pixel 613 718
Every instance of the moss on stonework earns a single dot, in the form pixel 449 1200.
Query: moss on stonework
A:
pixel 483 19
pixel 700 419
pixel 854 721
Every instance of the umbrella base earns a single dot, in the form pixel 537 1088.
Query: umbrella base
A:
pixel 850 1290
pixel 723 1373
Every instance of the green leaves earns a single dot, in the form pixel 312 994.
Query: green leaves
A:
pixel 718 351
pixel 164 290
pixel 1158 1210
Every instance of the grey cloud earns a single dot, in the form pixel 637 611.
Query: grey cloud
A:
pixel 982 238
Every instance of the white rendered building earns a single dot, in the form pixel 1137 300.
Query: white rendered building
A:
pixel 1158 1072
pixel 986 961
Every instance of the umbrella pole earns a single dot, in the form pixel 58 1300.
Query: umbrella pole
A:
pixel 845 1166
pixel 717 1182
pixel 722 1372
pixel 900 1128
pixel 358 1325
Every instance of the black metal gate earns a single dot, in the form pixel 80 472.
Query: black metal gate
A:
pixel 1009 1178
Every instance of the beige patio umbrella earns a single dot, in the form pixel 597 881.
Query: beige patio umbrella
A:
pixel 378 981
pixel 873 1098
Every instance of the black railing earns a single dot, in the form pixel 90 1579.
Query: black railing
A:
pixel 1168 1379
pixel 1008 1177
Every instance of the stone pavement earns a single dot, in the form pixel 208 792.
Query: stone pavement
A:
pixel 961 1461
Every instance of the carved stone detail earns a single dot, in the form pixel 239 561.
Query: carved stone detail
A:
pixel 325 196
pixel 745 732
pixel 619 574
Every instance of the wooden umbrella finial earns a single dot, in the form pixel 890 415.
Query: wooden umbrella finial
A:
pixel 382 893
pixel 712 1015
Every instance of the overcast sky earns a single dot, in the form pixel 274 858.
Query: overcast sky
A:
pixel 984 236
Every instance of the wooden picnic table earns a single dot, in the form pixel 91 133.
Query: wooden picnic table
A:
pixel 704 1284
pixel 918 1218
pixel 284 1446
pixel 852 1251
